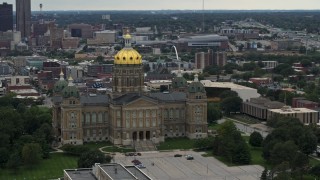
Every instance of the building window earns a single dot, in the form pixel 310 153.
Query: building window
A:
pixel 118 123
pixel 154 122
pixel 82 118
pixel 140 114
pixel 87 118
pixel 134 123
pixel 105 117
pixel 140 122
pixel 127 123
pixel 100 117
pixel 154 113
pixel 94 118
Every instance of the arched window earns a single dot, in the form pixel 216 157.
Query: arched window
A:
pixel 94 118
pixel 100 118
pixel 87 121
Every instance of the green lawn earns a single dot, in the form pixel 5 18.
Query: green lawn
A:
pixel 256 157
pixel 244 119
pixel 97 145
pixel 117 149
pixel 47 169
pixel 176 143
pixel 214 126
pixel 313 161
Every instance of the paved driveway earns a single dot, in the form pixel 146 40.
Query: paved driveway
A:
pixel 167 167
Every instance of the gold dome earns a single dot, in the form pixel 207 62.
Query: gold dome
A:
pixel 128 56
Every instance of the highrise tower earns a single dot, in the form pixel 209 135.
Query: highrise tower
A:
pixel 6 17
pixel 23 10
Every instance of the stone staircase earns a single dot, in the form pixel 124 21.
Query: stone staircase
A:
pixel 142 146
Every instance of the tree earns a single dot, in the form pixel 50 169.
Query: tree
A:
pixel 241 153
pixel 31 153
pixel 213 112
pixel 14 161
pixel 204 143
pixel 89 158
pixel 284 70
pixel 228 93
pixel 228 68
pixel 315 171
pixel 264 174
pixel 306 63
pixel 146 68
pixel 231 104
pixel 4 156
pixel 117 48
pixel 100 59
pixel 302 50
pixel 299 164
pixel 281 171
pixel 249 66
pixel 255 139
pixel 230 145
pixel 212 70
pixel 282 152
pixel 258 72
pixel 307 142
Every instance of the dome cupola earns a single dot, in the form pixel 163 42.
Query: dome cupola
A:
pixel 127 55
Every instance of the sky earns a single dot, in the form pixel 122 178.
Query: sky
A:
pixel 49 5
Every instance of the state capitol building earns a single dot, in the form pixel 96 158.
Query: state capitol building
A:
pixel 129 114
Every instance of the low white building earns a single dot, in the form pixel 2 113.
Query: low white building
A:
pixel 245 93
pixel 306 116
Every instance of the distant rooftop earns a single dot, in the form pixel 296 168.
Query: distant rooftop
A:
pixel 117 172
pixel 208 83
pixel 290 110
pixel 210 37
pixel 80 174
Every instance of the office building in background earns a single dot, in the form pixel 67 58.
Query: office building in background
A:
pixel 23 11
pixel 6 17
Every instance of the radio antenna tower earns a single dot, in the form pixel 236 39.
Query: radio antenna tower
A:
pixel 202 15
pixel 41 15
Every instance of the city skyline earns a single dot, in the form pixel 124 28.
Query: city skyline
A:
pixel 172 5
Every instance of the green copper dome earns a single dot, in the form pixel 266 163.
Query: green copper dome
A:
pixel 60 85
pixel 195 87
pixel 179 82
pixel 70 91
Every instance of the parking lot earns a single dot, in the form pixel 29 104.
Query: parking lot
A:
pixel 166 166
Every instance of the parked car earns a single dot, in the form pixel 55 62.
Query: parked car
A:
pixel 140 166
pixel 177 155
pixel 136 162
pixel 189 157
pixel 139 154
